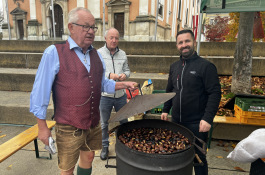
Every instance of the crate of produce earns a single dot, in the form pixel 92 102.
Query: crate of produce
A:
pixel 158 109
pixel 251 104
pixel 249 117
pixel 159 91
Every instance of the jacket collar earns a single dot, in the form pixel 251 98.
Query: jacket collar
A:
pixel 193 57
pixel 116 50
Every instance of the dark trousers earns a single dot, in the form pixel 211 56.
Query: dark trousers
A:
pixel 194 127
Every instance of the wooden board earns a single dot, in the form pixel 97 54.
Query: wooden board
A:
pixel 227 120
pixel 232 120
pixel 16 143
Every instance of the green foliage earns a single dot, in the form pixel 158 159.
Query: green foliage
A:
pixel 257 91
pixel 233 27
pixel 234 24
pixel 229 95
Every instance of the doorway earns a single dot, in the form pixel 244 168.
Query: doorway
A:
pixel 119 23
pixel 20 29
pixel 58 18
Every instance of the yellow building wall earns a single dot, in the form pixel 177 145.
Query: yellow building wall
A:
pixel 71 5
pixel 38 11
pixel 134 9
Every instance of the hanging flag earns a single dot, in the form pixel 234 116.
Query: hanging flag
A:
pixel 195 25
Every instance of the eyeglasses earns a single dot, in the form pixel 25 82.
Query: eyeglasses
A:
pixel 87 27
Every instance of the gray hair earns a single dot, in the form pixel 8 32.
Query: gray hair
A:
pixel 73 15
pixel 107 31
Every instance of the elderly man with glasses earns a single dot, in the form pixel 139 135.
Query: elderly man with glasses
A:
pixel 75 73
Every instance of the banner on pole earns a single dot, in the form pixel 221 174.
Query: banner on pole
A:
pixel 227 6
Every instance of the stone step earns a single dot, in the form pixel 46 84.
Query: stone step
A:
pixel 14 108
pixel 20 60
pixel 137 63
pixel 14 79
pixel 136 48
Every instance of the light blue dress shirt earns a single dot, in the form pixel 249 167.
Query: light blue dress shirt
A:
pixel 47 70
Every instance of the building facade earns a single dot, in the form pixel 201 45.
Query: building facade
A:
pixel 136 20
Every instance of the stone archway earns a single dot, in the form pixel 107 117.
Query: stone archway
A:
pixel 119 8
pixel 47 18
pixel 58 19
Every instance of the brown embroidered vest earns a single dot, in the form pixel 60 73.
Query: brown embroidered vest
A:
pixel 76 92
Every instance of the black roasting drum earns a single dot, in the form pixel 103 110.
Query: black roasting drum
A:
pixel 133 162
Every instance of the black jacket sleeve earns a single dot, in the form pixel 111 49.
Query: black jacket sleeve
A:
pixel 213 90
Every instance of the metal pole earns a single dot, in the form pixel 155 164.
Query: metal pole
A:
pixel 156 18
pixel 199 31
pixel 54 34
pixel 103 18
pixel 8 24
pixel 199 36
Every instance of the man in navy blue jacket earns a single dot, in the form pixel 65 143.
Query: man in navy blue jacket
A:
pixel 198 92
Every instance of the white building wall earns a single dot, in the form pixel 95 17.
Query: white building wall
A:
pixel 32 7
pixel 80 3
pixel 168 11
pixel 4 11
pixel 94 7
pixel 143 7
pixel 153 6
pixel 183 16
pixel 174 19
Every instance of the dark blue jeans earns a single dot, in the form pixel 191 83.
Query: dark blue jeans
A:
pixel 194 127
pixel 105 107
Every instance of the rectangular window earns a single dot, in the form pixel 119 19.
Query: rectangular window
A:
pixel 160 10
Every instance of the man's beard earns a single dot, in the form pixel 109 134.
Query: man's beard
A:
pixel 187 54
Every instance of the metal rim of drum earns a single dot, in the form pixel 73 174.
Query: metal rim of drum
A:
pixel 147 163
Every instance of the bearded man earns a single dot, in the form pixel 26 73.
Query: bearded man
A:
pixel 198 92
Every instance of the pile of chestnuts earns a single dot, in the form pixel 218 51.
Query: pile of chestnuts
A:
pixel 154 140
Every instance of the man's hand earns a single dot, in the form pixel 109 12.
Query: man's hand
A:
pixel 113 76
pixel 126 85
pixel 44 132
pixel 204 126
pixel 164 116
pixel 122 77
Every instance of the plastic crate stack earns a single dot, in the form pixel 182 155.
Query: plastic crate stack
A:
pixel 250 110
pixel 158 109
